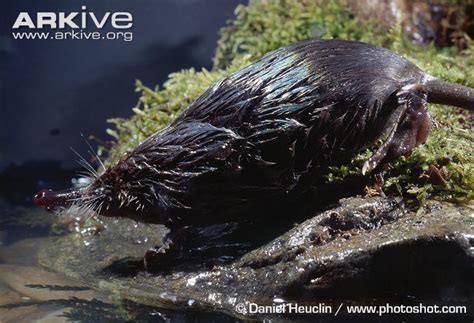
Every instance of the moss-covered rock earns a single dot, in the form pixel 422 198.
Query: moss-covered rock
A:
pixel 443 167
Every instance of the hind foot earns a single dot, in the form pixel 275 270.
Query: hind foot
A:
pixel 376 189
pixel 409 127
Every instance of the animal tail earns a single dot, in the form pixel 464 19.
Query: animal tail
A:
pixel 449 93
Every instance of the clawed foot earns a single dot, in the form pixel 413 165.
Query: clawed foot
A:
pixel 160 258
pixel 409 126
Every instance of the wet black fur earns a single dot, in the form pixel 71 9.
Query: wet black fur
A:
pixel 265 132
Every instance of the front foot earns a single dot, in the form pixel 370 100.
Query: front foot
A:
pixel 158 258
pixel 162 258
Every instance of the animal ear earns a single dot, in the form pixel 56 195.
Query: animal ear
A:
pixel 408 124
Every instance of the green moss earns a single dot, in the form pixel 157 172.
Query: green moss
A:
pixel 265 25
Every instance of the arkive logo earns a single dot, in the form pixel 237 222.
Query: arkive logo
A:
pixel 80 25
pixel 74 20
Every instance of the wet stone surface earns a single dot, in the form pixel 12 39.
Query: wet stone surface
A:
pixel 364 251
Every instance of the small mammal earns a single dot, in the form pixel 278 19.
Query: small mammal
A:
pixel 265 132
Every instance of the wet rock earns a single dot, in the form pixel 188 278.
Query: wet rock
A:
pixel 22 252
pixel 364 250
pixel 33 294
pixel 25 313
pixel 8 314
pixel 8 296
pixel 37 284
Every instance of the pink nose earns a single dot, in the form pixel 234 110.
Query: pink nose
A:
pixel 50 199
pixel 44 198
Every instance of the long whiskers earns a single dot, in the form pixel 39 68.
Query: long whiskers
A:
pixel 92 152
pixel 84 163
pixel 89 171
pixel 87 207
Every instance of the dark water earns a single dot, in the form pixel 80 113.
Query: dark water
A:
pixel 29 292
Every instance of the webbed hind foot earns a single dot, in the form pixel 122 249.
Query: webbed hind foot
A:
pixel 410 126
pixel 376 189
